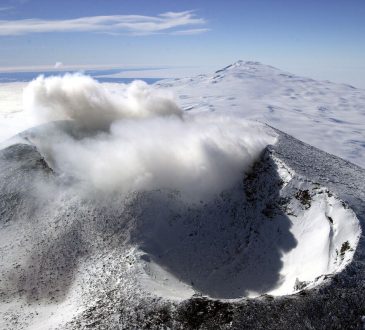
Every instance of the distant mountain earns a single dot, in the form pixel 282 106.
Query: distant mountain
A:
pixel 327 115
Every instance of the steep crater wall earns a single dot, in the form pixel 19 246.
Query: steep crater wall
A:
pixel 275 233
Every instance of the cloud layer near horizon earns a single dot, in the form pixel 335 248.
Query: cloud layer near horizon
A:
pixel 168 23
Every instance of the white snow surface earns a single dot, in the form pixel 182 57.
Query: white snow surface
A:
pixel 327 115
pixel 13 118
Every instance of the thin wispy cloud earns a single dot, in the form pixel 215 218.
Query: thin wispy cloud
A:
pixel 189 32
pixel 169 22
pixel 5 8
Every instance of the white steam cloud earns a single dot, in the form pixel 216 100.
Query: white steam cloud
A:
pixel 84 100
pixel 149 143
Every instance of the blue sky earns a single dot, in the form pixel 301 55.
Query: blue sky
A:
pixel 322 39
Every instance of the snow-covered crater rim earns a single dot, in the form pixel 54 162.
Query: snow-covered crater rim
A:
pixel 290 238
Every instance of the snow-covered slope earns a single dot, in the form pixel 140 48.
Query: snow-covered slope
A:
pixel 326 115
pixel 72 260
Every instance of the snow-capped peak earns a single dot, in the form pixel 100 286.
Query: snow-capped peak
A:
pixel 241 65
